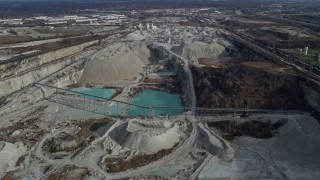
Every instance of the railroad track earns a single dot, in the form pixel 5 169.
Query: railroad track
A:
pixel 267 52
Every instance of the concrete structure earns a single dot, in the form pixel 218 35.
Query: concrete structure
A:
pixel 12 21
pixel 89 20
pixel 238 12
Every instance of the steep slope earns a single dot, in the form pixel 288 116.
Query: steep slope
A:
pixel 196 50
pixel 117 65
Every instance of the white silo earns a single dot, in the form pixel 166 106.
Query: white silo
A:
pixel 140 26
pixel 306 50
pixel 153 27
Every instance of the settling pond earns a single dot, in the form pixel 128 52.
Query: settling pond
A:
pixel 101 92
pixel 156 98
pixel 145 98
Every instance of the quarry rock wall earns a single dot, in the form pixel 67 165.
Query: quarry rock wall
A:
pixel 19 81
pixel 61 80
pixel 312 94
pixel 162 53
pixel 18 67
pixel 27 71
pixel 185 88
pixel 38 93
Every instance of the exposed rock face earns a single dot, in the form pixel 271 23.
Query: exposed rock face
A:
pixel 17 75
pixel 312 94
pixel 251 84
pixel 17 82
pixel 161 53
pixel 59 80
pixel 185 86
pixel 17 67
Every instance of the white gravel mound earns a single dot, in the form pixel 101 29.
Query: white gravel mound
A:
pixel 196 50
pixel 146 138
pixel 135 36
pixel 187 34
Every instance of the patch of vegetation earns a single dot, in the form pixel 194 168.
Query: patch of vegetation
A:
pixel 10 176
pixel 256 129
pixel 88 126
pixel 20 160
pixel 316 115
pixel 255 85
pixel 118 165
pixel 10 39
pixel 43 30
pixel 69 172
pixel 76 85
pixel 96 126
pixel 312 56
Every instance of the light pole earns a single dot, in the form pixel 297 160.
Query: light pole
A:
pixel 234 105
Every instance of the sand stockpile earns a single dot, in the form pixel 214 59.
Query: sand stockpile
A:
pixel 146 138
pixel 196 50
pixel 116 65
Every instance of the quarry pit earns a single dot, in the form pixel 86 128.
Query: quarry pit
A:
pixel 127 106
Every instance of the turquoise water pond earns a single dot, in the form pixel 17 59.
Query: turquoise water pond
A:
pixel 145 98
pixel 101 92
pixel 156 98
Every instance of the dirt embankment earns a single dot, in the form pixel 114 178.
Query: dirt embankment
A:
pixel 119 165
pixel 257 129
pixel 3 101
pixel 69 172
pixel 248 84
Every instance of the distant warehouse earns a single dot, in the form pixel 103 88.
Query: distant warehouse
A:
pixel 67 19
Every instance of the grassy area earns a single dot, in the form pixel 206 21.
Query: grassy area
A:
pixel 10 39
pixel 115 165
pixel 311 58
pixel 44 30
pixel 91 125
pixel 96 126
